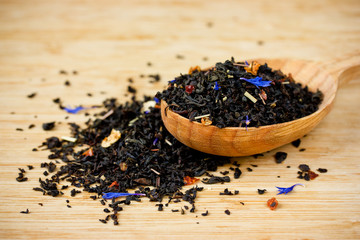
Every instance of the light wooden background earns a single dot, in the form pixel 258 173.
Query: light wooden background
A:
pixel 109 41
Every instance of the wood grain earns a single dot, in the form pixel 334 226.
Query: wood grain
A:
pixel 108 42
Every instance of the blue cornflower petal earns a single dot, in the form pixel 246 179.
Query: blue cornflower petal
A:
pixel 217 86
pixel 156 100
pixel 77 109
pixel 257 81
pixel 247 122
pixel 74 110
pixel 172 81
pixel 111 195
pixel 287 190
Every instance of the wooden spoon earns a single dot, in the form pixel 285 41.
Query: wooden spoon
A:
pixel 237 141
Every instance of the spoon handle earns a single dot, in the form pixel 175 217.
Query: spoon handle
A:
pixel 344 68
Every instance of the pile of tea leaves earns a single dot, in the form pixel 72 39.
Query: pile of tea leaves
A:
pixel 126 149
pixel 144 156
pixel 234 94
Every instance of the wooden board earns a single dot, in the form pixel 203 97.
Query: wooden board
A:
pixel 108 42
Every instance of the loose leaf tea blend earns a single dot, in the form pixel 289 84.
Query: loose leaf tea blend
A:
pixel 239 95
pixel 127 149
pixel 127 146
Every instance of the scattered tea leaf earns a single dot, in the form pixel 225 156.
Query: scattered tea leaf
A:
pixel 280 157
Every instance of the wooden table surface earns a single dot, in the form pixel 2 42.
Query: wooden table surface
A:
pixel 109 41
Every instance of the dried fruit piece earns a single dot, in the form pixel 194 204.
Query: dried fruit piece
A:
pixel 263 94
pixel 114 184
pixel 190 180
pixel 89 152
pixel 114 136
pixel 272 203
pixel 313 175
pixel 123 166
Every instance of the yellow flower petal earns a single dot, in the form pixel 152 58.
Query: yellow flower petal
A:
pixel 206 121
pixel 253 68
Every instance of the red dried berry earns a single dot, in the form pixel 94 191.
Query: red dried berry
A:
pixel 189 89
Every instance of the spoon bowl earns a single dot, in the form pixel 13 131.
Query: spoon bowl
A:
pixel 237 141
